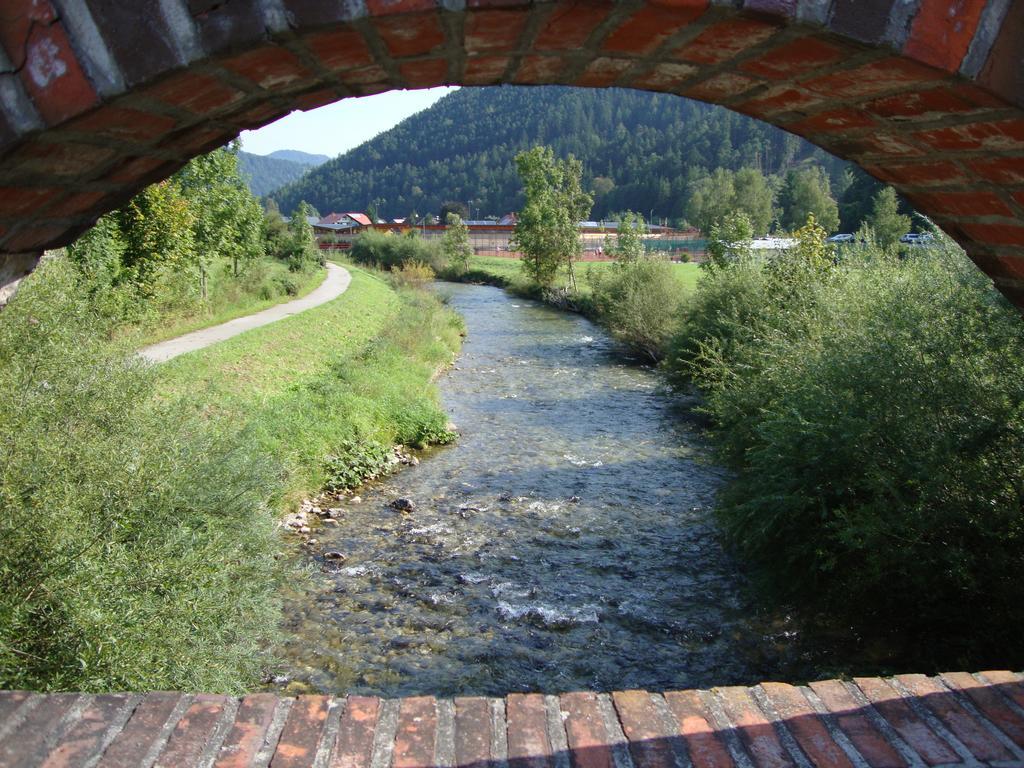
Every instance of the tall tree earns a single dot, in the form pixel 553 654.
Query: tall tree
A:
pixel 455 243
pixel 723 192
pixel 628 245
pixel 547 228
pixel 885 220
pixel 807 192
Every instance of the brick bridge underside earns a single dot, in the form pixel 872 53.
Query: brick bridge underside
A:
pixel 102 97
pixel 903 722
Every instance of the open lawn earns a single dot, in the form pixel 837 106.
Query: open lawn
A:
pixel 509 271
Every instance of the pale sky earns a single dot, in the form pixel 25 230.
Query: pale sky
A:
pixel 341 126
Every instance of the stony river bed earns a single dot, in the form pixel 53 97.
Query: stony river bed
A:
pixel 565 541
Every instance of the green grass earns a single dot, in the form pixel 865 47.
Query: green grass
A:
pixel 509 273
pixel 357 368
pixel 270 284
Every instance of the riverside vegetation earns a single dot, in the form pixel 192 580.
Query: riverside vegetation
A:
pixel 139 504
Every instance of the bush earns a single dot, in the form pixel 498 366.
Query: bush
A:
pixel 412 274
pixel 639 303
pixel 875 419
pixel 387 251
pixel 138 551
pixel 355 462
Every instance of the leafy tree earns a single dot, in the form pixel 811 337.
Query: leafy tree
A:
pixel 157 230
pixel 275 230
pixel 228 221
pixel 302 249
pixel 730 240
pixel 547 228
pixel 723 192
pixel 807 192
pixel 888 223
pixel 455 244
pixel 628 244
pixel 453 206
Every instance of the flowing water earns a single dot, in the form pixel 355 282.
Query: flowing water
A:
pixel 564 542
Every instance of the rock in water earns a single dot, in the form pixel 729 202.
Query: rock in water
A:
pixel 333 554
pixel 403 505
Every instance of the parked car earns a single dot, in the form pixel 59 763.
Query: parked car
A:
pixel 841 238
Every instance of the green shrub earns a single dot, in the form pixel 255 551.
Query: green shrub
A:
pixel 384 250
pixel 355 462
pixel 138 552
pixel 638 301
pixel 412 274
pixel 875 420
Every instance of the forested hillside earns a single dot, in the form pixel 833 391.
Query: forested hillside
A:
pixel 266 173
pixel 640 151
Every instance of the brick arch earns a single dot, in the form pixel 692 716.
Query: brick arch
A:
pixel 102 97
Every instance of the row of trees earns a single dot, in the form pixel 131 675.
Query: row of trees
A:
pixel 783 203
pixel 164 242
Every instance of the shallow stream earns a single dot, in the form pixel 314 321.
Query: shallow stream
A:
pixel 564 542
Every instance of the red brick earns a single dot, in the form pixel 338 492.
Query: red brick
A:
pixel 779 99
pixel 472 731
pixel 986 698
pixel 20 745
pixel 873 79
pixel 425 74
pixel 695 726
pixel 754 728
pixel 417 730
pixel 664 77
pixel 874 143
pixel 843 119
pixel 720 87
pixel 1019 197
pixel 141 731
pixel 339 49
pixel 1002 72
pixel 268 67
pixel 35 237
pixel 1010 684
pixel 995 234
pixel 776 7
pixel 650 26
pixel 52 75
pixel 135 168
pixel 528 743
pixel 18 201
pixel 726 40
pixel 11 701
pixel 975 203
pixel 260 115
pixel 411 35
pixel 890 705
pixel 588 740
pixel 931 172
pixel 570 24
pixel 302 733
pixel 393 7
pixel 849 716
pixel 966 728
pixel 538 69
pixel 921 105
pixel 365 75
pixel 1002 170
pixel 78 203
pixel 124 124
pixel 19 17
pixel 602 72
pixel 649 740
pixel 65 159
pixel 84 739
pixel 794 58
pixel 805 725
pixel 942 32
pixel 197 93
pixel 190 735
pixel 485 70
pixel 316 99
pixel 353 747
pixel 998 136
pixel 496 30
pixel 245 739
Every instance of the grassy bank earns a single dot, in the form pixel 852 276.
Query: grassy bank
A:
pixel 266 283
pixel 138 504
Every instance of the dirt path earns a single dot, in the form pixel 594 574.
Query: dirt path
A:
pixel 335 284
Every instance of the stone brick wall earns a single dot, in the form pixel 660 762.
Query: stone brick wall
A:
pixel 101 97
